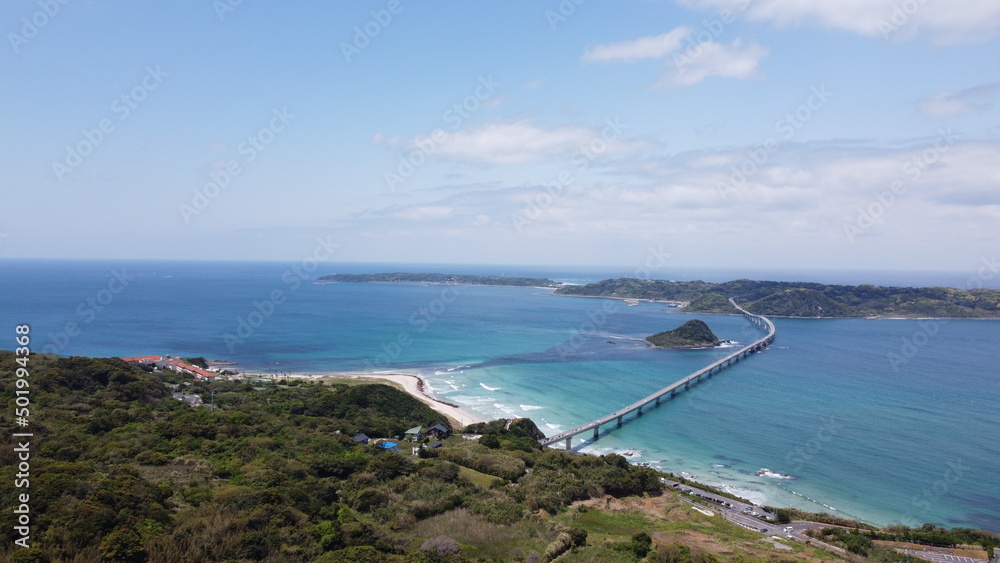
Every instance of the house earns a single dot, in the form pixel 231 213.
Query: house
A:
pixel 144 359
pixel 388 446
pixel 438 431
pixel 361 439
pixel 435 445
pixel 184 367
pixel 189 400
pixel 172 363
pixel 415 434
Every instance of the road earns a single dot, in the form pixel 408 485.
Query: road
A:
pixel 758 519
pixel 747 515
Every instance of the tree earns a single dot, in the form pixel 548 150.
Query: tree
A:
pixel 641 544
pixel 443 546
pixel 123 544
pixel 783 515
pixel 490 441
pixel 579 536
pixel 673 553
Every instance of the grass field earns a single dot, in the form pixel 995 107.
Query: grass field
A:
pixel 485 540
pixel 481 479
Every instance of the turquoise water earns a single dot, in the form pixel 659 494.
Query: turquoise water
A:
pixel 909 442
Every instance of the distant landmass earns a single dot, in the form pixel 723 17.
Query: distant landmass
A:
pixel 692 334
pixel 769 298
pixel 452 279
pixel 802 299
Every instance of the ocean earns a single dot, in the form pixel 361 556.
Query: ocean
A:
pixel 887 421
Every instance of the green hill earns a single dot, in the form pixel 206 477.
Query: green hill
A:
pixel 802 299
pixel 692 334
pixel 800 303
pixel 121 471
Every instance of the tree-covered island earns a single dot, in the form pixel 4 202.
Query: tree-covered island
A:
pixel 692 334
pixel 769 298
pixel 802 299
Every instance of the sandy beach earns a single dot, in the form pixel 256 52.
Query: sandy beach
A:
pixel 412 384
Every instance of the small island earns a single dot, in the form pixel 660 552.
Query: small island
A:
pixel 692 334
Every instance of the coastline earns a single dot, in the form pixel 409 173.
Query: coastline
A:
pixel 410 383
pixel 678 310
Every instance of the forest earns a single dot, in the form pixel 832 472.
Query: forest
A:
pixel 120 470
pixel 802 299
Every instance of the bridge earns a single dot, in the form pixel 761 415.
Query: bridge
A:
pixel 674 388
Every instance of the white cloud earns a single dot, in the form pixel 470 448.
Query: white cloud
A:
pixel 425 212
pixel 796 204
pixel 524 142
pixel 713 59
pixel 513 143
pixel 700 60
pixel 951 21
pixel 654 47
pixel 971 100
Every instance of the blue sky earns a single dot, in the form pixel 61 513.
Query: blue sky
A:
pixel 740 133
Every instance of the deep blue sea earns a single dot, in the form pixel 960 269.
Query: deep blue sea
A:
pixel 887 421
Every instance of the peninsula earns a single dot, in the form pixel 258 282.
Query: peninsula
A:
pixel 802 299
pixel 692 334
pixel 769 298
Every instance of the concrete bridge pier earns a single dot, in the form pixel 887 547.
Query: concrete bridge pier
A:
pixel 619 421
pixel 597 430
pixel 569 442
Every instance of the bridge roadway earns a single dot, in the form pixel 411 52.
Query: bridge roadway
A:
pixel 678 386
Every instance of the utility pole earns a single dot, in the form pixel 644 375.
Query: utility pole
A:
pixel 213 400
